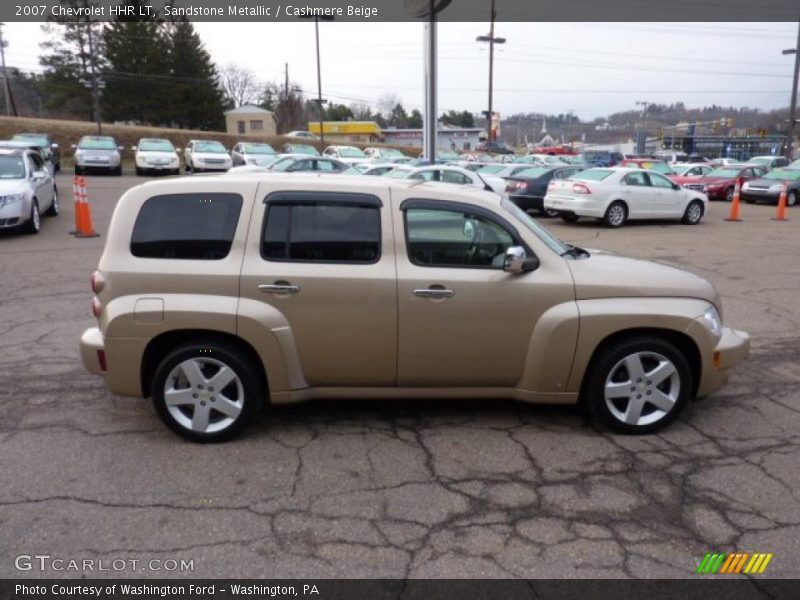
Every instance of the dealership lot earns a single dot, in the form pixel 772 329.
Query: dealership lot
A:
pixel 394 489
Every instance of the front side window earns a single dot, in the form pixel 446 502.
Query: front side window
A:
pixel 326 165
pixel 186 226
pixel 12 167
pixel 331 232
pixel 636 178
pixel 659 181
pixel 454 177
pixel 453 238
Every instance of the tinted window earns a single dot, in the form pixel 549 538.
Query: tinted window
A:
pixel 454 177
pixel 322 233
pixel 636 178
pixel 186 226
pixel 444 238
pixel 659 181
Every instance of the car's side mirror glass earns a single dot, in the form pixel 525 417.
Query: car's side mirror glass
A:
pixel 517 261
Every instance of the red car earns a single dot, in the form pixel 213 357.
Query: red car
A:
pixel 659 166
pixel 719 183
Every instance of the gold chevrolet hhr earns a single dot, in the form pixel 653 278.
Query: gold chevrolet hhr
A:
pixel 215 295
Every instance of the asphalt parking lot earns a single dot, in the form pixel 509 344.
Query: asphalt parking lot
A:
pixel 392 489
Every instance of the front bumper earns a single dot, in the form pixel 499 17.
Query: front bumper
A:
pixel 92 349
pixel 732 348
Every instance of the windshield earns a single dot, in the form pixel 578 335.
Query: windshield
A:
pixel 12 167
pixel 593 174
pixel 723 173
pixel 303 149
pixel 97 144
pixel 33 138
pixel 210 147
pixel 391 153
pixel 662 168
pixel 284 164
pixel 759 161
pixel 258 149
pixel 555 244
pixel 348 152
pixel 532 172
pixel 156 146
pixel 488 169
pixel 783 174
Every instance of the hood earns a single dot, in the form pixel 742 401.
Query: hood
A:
pixel 10 187
pixel 211 155
pixel 156 154
pixel 606 275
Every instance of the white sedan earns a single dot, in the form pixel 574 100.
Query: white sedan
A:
pixel 618 194
pixel 459 176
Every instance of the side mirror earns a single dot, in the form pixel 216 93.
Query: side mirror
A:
pixel 517 261
pixel 38 175
pixel 676 186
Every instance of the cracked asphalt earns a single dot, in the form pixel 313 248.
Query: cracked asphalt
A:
pixel 402 489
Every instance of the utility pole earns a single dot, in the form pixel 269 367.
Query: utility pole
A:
pixel 6 84
pixel 641 137
pixel 286 82
pixel 492 41
pixel 320 101
pixel 94 85
pixel 793 102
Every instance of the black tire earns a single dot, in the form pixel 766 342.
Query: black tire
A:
pixel 791 198
pixel 569 217
pixel 57 167
pixel 607 366
pixel 78 170
pixel 691 216
pixel 54 208
pixel 118 171
pixel 34 224
pixel 251 396
pixel 139 172
pixel 187 168
pixel 729 194
pixel 749 200
pixel 175 171
pixel 616 214
pixel 550 213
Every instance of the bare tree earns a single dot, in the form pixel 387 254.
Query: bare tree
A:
pixel 239 85
pixel 387 103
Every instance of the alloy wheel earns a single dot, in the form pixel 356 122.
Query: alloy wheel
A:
pixel 642 388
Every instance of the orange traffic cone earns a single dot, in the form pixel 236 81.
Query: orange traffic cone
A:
pixel 781 215
pixel 83 212
pixel 734 214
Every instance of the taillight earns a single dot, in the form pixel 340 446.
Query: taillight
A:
pixel 98 282
pixel 96 307
pixel 580 188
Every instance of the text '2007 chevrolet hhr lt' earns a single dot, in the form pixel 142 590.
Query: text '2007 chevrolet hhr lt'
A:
pixel 217 295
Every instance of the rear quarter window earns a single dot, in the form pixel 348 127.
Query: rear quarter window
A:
pixel 186 226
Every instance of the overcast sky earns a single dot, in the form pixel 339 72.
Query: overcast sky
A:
pixel 590 68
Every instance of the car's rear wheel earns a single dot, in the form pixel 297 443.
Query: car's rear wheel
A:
pixel 791 198
pixel 118 171
pixel 616 214
pixel 54 207
pixel 693 213
pixel 78 170
pixel 34 222
pixel 729 194
pixel 207 392
pixel 568 217
pixel 638 385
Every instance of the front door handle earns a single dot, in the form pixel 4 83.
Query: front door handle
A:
pixel 279 287
pixel 433 292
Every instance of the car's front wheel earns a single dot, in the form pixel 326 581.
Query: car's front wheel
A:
pixel 54 207
pixel 34 223
pixel 207 392
pixel 791 198
pixel 693 213
pixel 638 385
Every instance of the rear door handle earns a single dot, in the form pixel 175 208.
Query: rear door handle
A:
pixel 279 288
pixel 433 293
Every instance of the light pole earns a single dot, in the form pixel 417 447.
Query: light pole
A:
pixel 320 101
pixel 793 101
pixel 492 41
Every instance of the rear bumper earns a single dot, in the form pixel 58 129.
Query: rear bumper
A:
pixel 92 349
pixel 732 348
pixel 584 207
pixel 760 197
pixel 528 202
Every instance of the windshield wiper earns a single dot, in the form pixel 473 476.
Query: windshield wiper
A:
pixel 575 252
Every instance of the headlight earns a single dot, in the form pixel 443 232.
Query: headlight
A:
pixel 712 321
pixel 11 200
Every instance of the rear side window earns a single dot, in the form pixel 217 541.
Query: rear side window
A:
pixel 186 226
pixel 329 232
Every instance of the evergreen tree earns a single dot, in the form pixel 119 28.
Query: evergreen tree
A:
pixel 72 52
pixel 196 100
pixel 415 119
pixel 137 76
